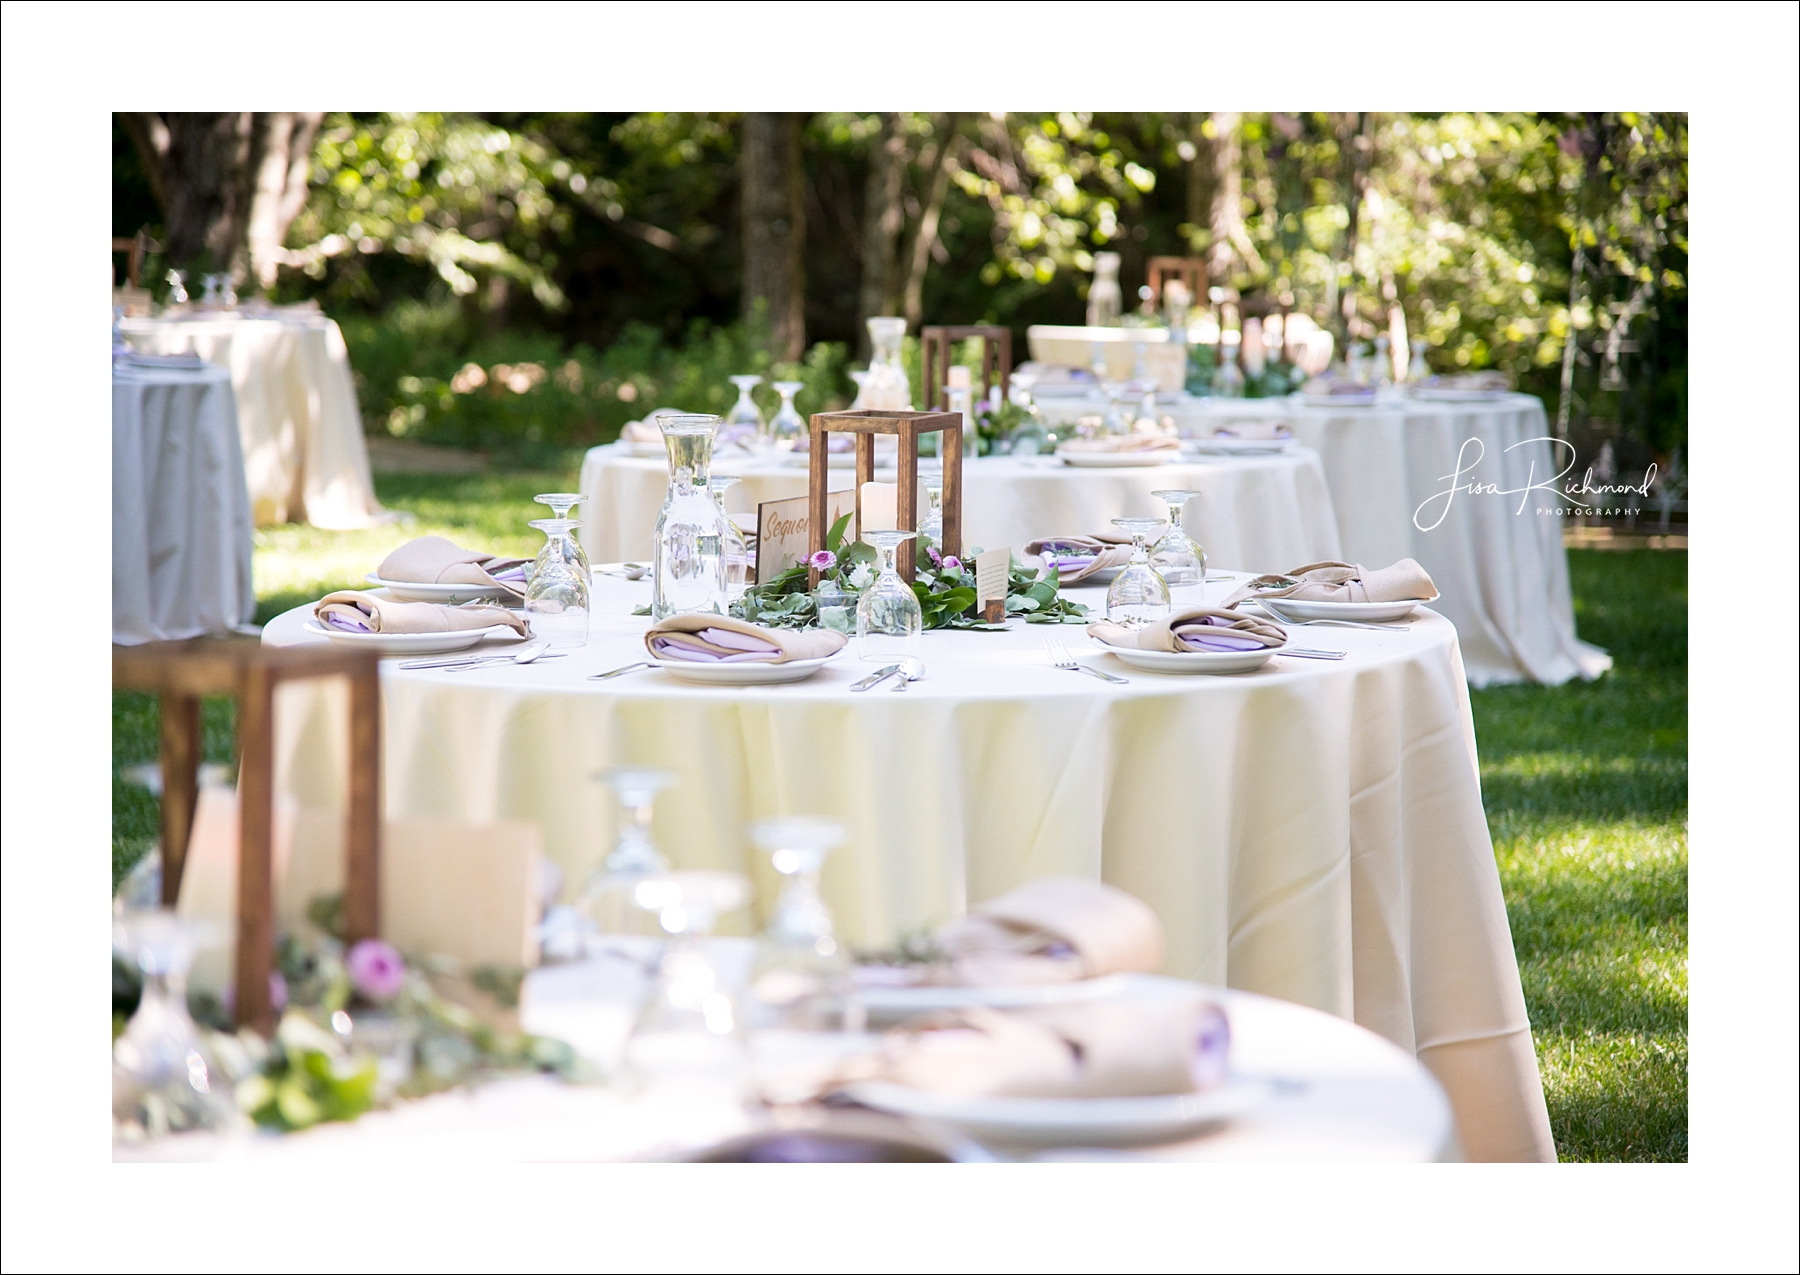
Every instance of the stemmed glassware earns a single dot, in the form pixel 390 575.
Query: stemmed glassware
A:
pixel 888 617
pixel 165 1080
pixel 1137 595
pixel 556 598
pixel 788 427
pixel 561 502
pixel 687 1032
pixel 1115 416
pixel 737 549
pixel 886 388
pixel 178 294
pixel 690 531
pixel 634 858
pixel 1177 558
pixel 745 416
pixel 801 978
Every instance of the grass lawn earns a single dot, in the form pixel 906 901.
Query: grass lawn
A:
pixel 1585 786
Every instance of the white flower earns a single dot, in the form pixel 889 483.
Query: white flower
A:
pixel 862 577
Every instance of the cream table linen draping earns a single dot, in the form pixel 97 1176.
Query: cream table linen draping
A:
pixel 1350 1097
pixel 304 455
pixel 1503 573
pixel 1252 511
pixel 181 532
pixel 1312 831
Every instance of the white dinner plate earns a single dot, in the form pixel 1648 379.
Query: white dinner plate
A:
pixel 1361 612
pixel 1238 446
pixel 891 1004
pixel 1191 661
pixel 1072 1121
pixel 1114 460
pixel 649 451
pixel 1457 396
pixel 749 673
pixel 1339 400
pixel 446 594
pixel 410 643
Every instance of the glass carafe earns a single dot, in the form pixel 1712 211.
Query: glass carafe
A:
pixel 737 549
pixel 1105 302
pixel 690 531
pixel 887 388
pixel 788 427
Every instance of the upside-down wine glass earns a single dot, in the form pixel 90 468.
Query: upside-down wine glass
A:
pixel 556 599
pixel 801 979
pixel 165 1080
pixel 888 618
pixel 745 413
pixel 560 503
pixel 1137 595
pixel 1177 557
pixel 737 549
pixel 788 427
pixel 687 1033
pixel 607 899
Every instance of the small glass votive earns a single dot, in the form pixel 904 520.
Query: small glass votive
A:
pixel 836 606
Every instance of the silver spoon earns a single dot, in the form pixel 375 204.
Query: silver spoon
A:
pixel 911 670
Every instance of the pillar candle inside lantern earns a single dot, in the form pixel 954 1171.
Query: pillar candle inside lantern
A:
pixel 880 507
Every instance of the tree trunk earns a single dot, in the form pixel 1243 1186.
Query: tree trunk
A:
pixel 774 216
pixel 883 218
pixel 926 232
pixel 1355 140
pixel 281 185
pixel 1226 214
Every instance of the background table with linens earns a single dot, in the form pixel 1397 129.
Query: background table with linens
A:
pixel 1312 831
pixel 181 529
pixel 1263 512
pixel 1502 570
pixel 304 455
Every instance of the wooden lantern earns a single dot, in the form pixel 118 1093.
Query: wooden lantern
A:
pixel 937 345
pixel 1190 270
pixel 908 426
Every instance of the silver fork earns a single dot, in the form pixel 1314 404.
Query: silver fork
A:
pixel 1062 658
pixel 1288 620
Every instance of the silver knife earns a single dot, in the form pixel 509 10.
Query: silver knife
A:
pixel 879 674
pixel 1306 654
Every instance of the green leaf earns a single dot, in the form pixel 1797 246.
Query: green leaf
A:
pixel 834 539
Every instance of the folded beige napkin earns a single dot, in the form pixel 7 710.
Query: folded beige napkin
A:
pixel 721 639
pixel 1078 557
pixel 1489 381
pixel 1341 582
pixel 1260 431
pixel 435 560
pixel 1095 1049
pixel 362 612
pixel 1112 443
pixel 1196 629
pixel 1052 930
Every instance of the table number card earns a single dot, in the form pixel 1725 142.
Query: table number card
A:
pixel 991 570
pixel 782 534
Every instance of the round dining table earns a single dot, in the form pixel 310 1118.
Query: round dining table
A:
pixel 1311 831
pixel 1266 512
pixel 181 530
pixel 302 435
pixel 1462 487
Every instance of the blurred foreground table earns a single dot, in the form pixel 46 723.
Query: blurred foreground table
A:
pixel 1311 831
pixel 1340 1094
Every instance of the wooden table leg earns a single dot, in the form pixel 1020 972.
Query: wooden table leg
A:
pixel 256 828
pixel 181 786
pixel 362 868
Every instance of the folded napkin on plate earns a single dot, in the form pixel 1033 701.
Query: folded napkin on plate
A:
pixel 361 612
pixel 1405 581
pixel 1331 385
pixel 1488 381
pixel 1112 444
pixel 1260 431
pixel 1198 629
pixel 435 560
pixel 1052 930
pixel 640 432
pixel 1094 1049
pixel 721 639
pixel 182 361
pixel 1078 557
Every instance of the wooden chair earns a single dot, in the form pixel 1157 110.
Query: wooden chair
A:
pixel 180 673
pixel 937 345
pixel 1190 270
pixel 135 249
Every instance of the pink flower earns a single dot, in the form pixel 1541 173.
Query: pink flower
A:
pixel 823 560
pixel 953 563
pixel 376 969
pixel 277 990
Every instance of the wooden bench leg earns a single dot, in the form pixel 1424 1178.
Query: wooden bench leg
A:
pixel 362 844
pixel 256 826
pixel 181 786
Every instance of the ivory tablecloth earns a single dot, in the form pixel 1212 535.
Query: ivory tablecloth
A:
pixel 181 533
pixel 1312 831
pixel 304 455
pixel 1502 569
pixel 1265 512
